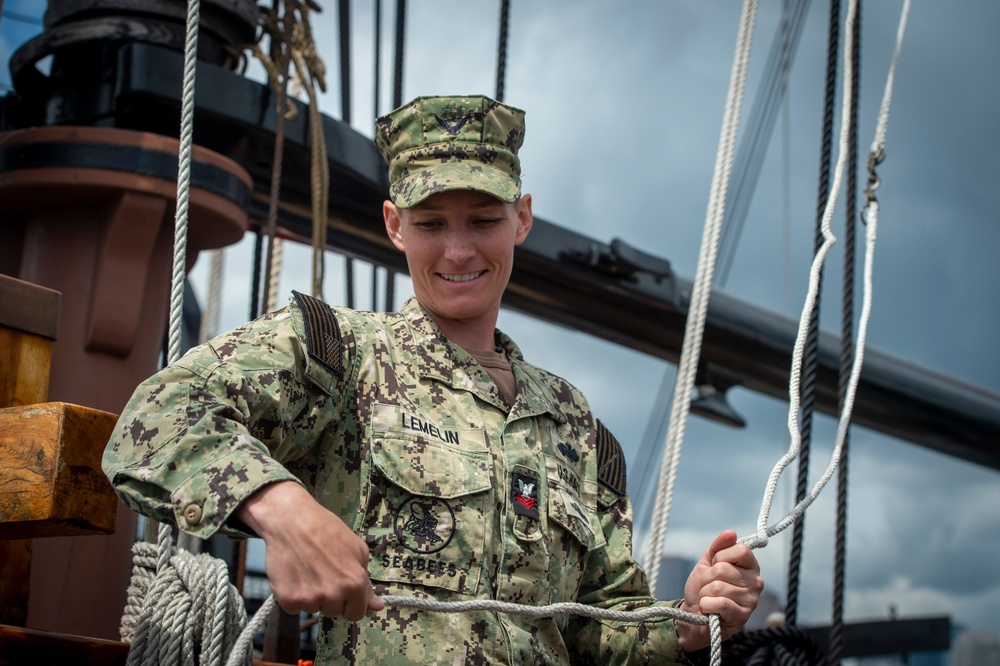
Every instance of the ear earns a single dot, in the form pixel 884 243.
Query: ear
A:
pixel 524 219
pixel 393 222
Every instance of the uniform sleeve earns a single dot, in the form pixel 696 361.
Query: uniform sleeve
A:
pixel 205 433
pixel 613 580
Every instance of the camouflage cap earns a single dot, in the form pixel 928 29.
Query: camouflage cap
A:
pixel 436 144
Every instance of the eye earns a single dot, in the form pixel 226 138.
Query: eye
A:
pixel 486 221
pixel 427 224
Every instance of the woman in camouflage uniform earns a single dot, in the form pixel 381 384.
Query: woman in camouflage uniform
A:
pixel 417 452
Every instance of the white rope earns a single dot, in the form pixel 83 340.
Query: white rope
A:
pixel 186 614
pixel 189 605
pixel 277 258
pixel 760 538
pixel 213 298
pixel 698 309
pixel 183 183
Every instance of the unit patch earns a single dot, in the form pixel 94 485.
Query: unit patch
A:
pixel 524 491
pixel 568 451
pixel 425 524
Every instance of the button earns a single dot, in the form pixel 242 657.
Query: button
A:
pixel 192 514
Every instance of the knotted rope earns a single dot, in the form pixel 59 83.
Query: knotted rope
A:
pixel 190 613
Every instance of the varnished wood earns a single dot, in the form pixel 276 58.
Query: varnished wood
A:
pixel 50 469
pixel 24 368
pixel 15 575
pixel 29 308
pixel 282 636
pixel 29 647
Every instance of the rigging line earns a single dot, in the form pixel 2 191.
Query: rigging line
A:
pixel 282 50
pixel 378 54
pixel 871 216
pixel 397 101
pixel 345 60
pixel 345 109
pixel 697 311
pixel 397 94
pixel 178 268
pixel 646 458
pixel 812 339
pixel 760 126
pixel 502 49
pixel 836 644
pixel 210 319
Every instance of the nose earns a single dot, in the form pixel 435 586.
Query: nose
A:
pixel 459 247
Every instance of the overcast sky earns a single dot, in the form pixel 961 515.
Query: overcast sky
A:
pixel 624 105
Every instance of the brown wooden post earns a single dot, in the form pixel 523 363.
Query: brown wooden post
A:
pixel 91 211
pixel 29 322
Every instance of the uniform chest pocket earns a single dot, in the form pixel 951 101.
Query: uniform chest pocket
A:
pixel 568 507
pixel 427 517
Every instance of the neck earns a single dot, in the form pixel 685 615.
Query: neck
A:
pixel 475 335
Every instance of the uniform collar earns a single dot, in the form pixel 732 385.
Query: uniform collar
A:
pixel 440 359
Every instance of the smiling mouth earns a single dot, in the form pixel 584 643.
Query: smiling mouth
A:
pixel 461 277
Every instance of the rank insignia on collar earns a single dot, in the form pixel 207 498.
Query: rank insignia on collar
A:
pixel 524 491
pixel 568 451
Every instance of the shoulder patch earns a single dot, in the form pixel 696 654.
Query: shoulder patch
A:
pixel 323 339
pixel 610 460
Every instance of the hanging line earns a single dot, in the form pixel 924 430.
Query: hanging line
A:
pixel 209 327
pixel 698 308
pixel 378 55
pixel 502 49
pixel 836 644
pixel 753 147
pixel 152 641
pixel 298 46
pixel 397 101
pixel 810 365
pixel 871 215
pixel 345 113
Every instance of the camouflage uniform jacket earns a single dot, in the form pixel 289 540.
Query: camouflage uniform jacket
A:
pixel 407 439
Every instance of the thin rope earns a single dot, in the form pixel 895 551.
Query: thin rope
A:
pixel 836 644
pixel 695 325
pixel 397 101
pixel 277 260
pixel 747 164
pixel 345 60
pixel 278 77
pixel 183 183
pixel 878 148
pixel 397 91
pixel 812 335
pixel 209 327
pixel 378 55
pixel 502 48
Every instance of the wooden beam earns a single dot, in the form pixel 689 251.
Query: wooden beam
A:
pixel 30 647
pixel 29 322
pixel 29 307
pixel 50 469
